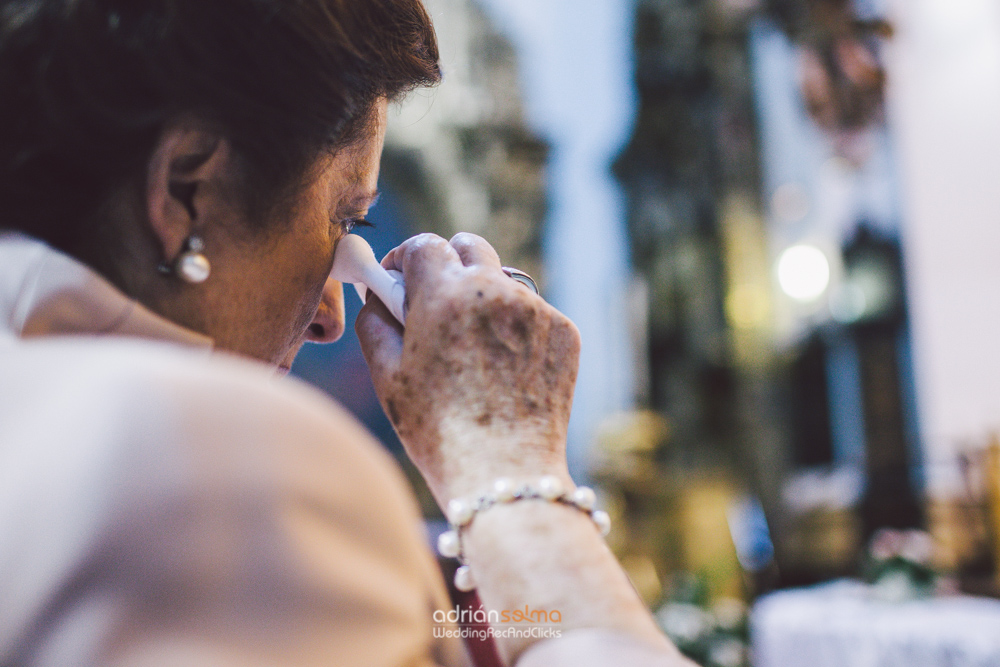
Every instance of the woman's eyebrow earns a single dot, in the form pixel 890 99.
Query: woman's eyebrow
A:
pixel 363 202
pixel 372 198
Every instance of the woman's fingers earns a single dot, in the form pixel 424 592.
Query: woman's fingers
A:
pixel 430 246
pixel 471 249
pixel 423 260
pixel 474 250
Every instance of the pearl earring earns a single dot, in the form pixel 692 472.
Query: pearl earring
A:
pixel 191 265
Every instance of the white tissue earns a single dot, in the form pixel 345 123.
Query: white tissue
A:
pixel 355 263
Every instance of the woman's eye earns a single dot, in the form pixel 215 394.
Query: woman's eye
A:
pixel 351 223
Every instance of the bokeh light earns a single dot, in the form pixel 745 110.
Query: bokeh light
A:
pixel 803 272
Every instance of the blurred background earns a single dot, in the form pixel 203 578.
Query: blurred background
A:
pixel 777 225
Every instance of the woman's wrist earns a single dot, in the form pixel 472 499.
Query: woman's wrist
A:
pixel 467 463
pixel 461 512
pixel 551 556
pixel 473 482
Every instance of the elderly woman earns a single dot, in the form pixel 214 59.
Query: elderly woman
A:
pixel 175 176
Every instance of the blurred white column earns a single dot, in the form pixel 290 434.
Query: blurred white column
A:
pixel 575 58
pixel 944 72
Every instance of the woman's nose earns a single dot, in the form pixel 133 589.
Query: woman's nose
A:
pixel 328 324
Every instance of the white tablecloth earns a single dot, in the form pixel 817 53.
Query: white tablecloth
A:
pixel 840 625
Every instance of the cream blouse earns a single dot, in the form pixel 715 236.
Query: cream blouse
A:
pixel 161 505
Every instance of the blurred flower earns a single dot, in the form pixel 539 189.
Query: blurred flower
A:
pixel 918 547
pixel 729 613
pixel 712 633
pixel 684 623
pixel 728 652
pixel 894 586
pixel 899 565
pixel 886 544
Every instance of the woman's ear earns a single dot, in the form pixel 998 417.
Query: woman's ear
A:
pixel 185 164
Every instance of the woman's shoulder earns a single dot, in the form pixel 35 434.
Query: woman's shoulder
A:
pixel 124 371
pixel 189 409
pixel 193 482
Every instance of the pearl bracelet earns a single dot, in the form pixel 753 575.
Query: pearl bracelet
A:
pixel 461 512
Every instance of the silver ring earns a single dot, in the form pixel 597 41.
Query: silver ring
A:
pixel 521 277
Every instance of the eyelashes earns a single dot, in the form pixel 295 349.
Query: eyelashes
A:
pixel 351 223
pixel 361 222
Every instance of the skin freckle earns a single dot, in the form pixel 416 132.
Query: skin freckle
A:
pixel 520 329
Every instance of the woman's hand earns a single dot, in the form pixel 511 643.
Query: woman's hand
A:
pixel 480 383
pixel 479 386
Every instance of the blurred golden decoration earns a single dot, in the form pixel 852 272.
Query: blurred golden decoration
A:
pixel 993 494
pixel 642 573
pixel 748 306
pixel 747 303
pixel 707 546
pixel 840 73
pixel 958 531
pixel 842 83
pixel 842 79
pixel 667 518
pixel 627 447
pixel 825 539
pixel 966 527
pixel 821 535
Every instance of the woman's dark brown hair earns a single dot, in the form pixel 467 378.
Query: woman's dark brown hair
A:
pixel 86 86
